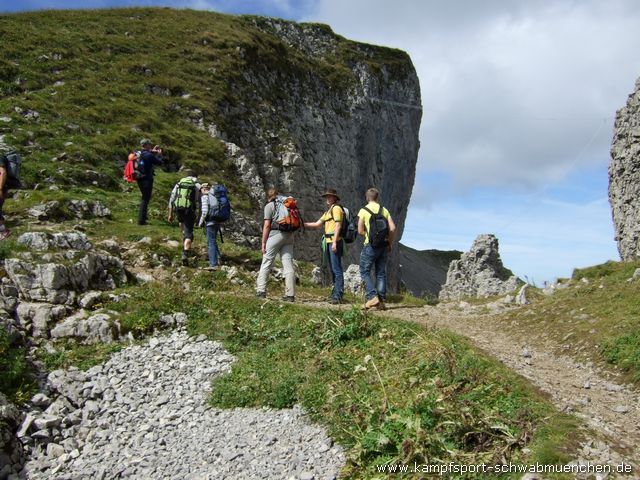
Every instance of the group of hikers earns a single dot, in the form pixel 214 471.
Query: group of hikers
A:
pixel 194 203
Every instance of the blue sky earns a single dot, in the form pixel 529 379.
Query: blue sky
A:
pixel 519 101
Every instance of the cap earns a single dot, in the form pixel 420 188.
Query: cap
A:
pixel 145 141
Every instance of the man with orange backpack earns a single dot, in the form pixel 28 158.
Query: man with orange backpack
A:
pixel 281 220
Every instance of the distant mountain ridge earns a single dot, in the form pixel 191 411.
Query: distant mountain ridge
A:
pixel 424 272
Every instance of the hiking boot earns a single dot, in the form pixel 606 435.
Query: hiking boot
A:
pixel 381 306
pixel 185 261
pixel 211 268
pixel 261 294
pixel 335 301
pixel 5 233
pixel 288 298
pixel 374 302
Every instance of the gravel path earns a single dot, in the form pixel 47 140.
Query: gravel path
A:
pixel 143 414
pixel 590 393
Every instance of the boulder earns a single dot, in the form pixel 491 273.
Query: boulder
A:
pixel 57 241
pixel 479 273
pixel 98 328
pixel 60 283
pixel 352 279
pixel 37 318
pixel 69 209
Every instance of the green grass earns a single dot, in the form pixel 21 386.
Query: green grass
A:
pixel 16 375
pixel 597 320
pixel 70 353
pixel 389 391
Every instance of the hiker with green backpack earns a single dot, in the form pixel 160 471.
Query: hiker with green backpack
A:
pixel 184 204
pixel 332 241
pixel 377 227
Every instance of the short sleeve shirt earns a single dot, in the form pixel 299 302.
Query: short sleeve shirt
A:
pixel 366 216
pixel 330 218
pixel 270 214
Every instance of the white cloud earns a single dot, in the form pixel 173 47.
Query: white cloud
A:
pixel 513 93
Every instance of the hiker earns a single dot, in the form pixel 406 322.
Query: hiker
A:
pixel 212 227
pixel 183 203
pixel 378 228
pixel 276 241
pixel 4 192
pixel 149 157
pixel 332 242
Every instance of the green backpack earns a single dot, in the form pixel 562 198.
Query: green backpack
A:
pixel 186 195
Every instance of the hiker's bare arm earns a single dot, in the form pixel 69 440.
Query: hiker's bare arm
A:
pixel 3 180
pixel 312 224
pixel 392 230
pixel 266 228
pixel 360 226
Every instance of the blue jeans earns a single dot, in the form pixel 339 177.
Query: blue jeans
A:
pixel 335 266
pixel 212 244
pixel 370 257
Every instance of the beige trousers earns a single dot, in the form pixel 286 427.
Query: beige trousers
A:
pixel 280 243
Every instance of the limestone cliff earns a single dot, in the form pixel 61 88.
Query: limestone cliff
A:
pixel 306 133
pixel 624 177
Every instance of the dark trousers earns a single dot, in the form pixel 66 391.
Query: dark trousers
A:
pixel 146 188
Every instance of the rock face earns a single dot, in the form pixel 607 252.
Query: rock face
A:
pixel 304 132
pixel 423 273
pixel 479 272
pixel 624 177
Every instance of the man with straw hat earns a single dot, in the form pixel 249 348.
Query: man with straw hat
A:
pixel 332 242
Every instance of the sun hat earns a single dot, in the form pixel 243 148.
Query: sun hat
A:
pixel 331 191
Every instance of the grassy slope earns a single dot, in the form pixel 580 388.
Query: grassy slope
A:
pixel 597 320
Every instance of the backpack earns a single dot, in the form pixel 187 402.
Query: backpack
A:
pixel 348 229
pixel 186 194
pixel 288 216
pixel 219 205
pixel 378 229
pixel 13 162
pixel 132 171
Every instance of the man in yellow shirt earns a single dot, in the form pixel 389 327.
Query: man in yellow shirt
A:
pixel 378 228
pixel 332 242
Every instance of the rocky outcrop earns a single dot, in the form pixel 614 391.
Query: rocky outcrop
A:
pixel 59 276
pixel 303 130
pixel 424 272
pixel 69 209
pixel 479 272
pixel 624 178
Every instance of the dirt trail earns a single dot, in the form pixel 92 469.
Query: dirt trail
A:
pixel 585 390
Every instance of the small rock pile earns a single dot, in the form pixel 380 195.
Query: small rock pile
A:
pixel 143 414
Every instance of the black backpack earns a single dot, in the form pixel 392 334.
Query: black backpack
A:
pixel 378 229
pixel 348 229
pixel 12 162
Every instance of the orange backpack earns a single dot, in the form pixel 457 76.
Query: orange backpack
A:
pixel 288 216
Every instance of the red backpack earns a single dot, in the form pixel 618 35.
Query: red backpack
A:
pixel 132 168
